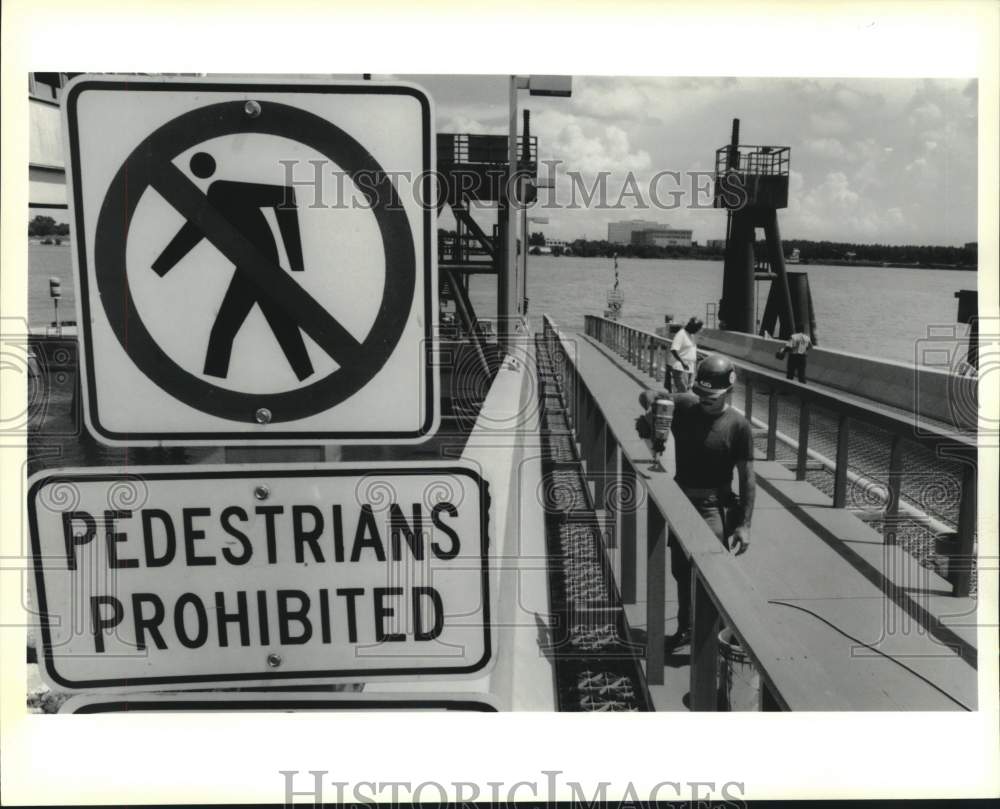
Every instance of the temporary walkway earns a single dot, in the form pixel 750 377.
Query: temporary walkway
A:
pixel 832 615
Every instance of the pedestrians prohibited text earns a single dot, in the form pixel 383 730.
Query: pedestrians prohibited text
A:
pixel 178 577
pixel 254 260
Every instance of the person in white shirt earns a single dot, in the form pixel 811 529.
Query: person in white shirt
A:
pixel 685 356
pixel 796 348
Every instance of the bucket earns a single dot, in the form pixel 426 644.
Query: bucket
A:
pixel 739 681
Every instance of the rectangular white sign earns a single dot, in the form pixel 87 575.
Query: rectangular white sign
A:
pixel 278 701
pixel 178 577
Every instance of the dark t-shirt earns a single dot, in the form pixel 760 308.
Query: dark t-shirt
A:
pixel 708 447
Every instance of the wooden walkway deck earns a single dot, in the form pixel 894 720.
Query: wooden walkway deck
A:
pixel 861 620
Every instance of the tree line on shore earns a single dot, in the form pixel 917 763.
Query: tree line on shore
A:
pixel 46 226
pixel 810 252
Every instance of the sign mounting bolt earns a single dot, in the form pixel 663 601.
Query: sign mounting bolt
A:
pixel 263 416
pixel 273 660
pixel 252 109
pixel 261 492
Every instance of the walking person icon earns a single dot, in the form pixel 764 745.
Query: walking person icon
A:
pixel 242 205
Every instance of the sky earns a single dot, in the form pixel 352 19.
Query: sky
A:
pixel 875 161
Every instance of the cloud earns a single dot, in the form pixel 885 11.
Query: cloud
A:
pixel 872 159
pixel 462 124
pixel 829 123
pixel 926 114
pixel 830 148
pixel 587 146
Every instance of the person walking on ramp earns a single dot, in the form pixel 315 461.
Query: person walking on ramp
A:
pixel 241 204
pixel 796 348
pixel 685 356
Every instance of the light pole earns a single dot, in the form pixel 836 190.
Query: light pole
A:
pixel 555 86
pixel 538 220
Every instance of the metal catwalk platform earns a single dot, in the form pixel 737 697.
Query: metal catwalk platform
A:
pixel 833 616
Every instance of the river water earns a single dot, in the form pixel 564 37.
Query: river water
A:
pixel 877 311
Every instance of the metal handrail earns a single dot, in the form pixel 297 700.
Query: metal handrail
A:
pixel 642 349
pixel 482 149
pixel 603 431
pixel 794 674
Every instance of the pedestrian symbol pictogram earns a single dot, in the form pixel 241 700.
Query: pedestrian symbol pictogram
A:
pixel 241 204
pixel 255 261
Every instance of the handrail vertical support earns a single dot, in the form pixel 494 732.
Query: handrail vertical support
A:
pixel 840 473
pixel 630 508
pixel 615 474
pixel 960 574
pixel 767 700
pixel 600 457
pixel 587 439
pixel 704 647
pixel 772 424
pixel 609 464
pixel 656 574
pixel 803 457
pixel 894 484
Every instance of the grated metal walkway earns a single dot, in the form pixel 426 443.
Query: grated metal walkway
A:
pixel 879 631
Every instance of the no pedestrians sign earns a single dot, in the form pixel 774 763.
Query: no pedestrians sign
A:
pixel 182 577
pixel 255 260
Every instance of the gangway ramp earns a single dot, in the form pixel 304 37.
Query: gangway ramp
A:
pixel 832 616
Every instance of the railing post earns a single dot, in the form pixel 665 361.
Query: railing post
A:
pixel 599 454
pixel 840 473
pixel 800 466
pixel 587 435
pixel 894 484
pixel 577 397
pixel 960 574
pixel 656 574
pixel 767 700
pixel 613 475
pixel 704 647
pixel 630 508
pixel 772 424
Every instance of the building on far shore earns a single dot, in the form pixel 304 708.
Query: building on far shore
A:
pixel 622 232
pixel 715 244
pixel 663 237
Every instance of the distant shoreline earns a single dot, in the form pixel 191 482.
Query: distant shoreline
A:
pixel 830 262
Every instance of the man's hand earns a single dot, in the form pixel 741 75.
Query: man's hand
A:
pixel 739 542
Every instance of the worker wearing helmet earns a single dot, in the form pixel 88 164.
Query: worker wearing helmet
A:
pixel 710 441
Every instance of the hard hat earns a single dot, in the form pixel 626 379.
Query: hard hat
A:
pixel 716 376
